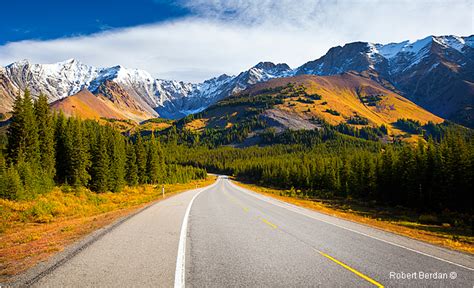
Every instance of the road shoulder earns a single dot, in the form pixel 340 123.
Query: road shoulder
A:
pixel 362 227
pixel 113 220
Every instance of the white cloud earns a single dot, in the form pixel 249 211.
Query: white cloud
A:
pixel 230 36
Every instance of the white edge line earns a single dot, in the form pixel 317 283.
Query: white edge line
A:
pixel 180 272
pixel 349 229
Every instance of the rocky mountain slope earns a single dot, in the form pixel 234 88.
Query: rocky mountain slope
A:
pixel 105 104
pixel 436 73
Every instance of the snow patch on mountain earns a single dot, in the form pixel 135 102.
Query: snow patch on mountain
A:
pixel 415 50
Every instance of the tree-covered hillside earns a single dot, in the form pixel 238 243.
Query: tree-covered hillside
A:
pixel 42 149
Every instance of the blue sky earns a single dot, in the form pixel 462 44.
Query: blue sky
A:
pixel 50 19
pixel 194 40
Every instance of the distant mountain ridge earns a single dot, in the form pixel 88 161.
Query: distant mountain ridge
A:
pixel 436 72
pixel 165 98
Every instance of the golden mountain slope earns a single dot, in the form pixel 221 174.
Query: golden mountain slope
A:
pixel 115 104
pixel 346 98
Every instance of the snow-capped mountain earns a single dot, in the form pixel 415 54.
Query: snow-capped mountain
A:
pixel 166 98
pixel 56 80
pixel 392 58
pixel 436 72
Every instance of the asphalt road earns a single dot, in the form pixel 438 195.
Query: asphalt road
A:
pixel 141 252
pixel 236 238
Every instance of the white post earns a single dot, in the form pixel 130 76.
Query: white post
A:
pixel 163 190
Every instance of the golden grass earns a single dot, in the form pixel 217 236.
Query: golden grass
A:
pixel 151 126
pixel 32 231
pixel 197 124
pixel 347 103
pixel 441 235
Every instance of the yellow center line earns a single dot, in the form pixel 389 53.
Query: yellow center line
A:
pixel 237 202
pixel 234 200
pixel 361 275
pixel 268 223
pixel 367 278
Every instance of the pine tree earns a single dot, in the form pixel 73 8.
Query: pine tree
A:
pixel 46 135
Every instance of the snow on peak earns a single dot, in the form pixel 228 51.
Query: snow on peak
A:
pixel 22 62
pixel 267 70
pixel 134 75
pixel 391 50
pixel 454 42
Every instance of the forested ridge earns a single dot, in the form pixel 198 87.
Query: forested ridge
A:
pixel 429 176
pixel 42 149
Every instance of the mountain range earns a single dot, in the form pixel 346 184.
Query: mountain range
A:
pixel 436 72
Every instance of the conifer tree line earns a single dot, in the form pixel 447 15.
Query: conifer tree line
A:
pixel 429 176
pixel 44 149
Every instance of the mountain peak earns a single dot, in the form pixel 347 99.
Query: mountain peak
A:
pixel 22 62
pixel 267 65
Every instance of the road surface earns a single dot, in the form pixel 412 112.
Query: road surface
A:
pixel 236 238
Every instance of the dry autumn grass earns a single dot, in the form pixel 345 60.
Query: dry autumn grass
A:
pixel 31 231
pixel 442 235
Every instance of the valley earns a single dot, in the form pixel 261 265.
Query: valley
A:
pixel 377 134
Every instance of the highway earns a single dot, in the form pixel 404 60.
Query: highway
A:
pixel 226 236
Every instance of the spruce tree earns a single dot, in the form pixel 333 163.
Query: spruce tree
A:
pixel 117 157
pixel 100 171
pixel 62 145
pixel 78 156
pixel 11 186
pixel 153 161
pixel 141 160
pixel 46 135
pixel 23 145
pixel 132 168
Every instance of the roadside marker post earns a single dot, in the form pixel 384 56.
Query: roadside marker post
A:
pixel 163 190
